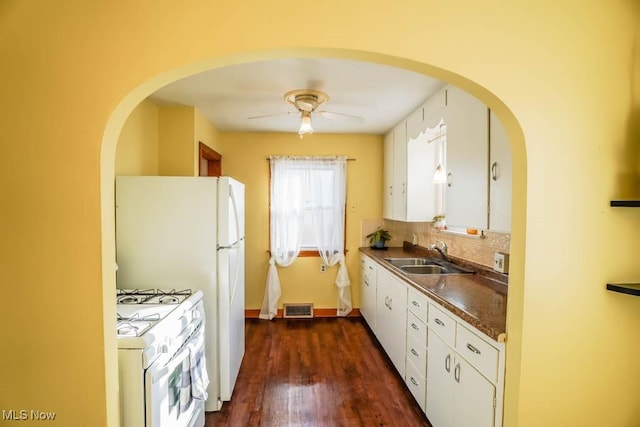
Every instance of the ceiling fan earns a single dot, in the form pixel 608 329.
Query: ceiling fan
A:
pixel 306 102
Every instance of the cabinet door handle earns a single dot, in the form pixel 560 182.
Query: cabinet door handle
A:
pixel 456 373
pixel 449 180
pixel 403 188
pixel 439 322
pixel 414 326
pixel 366 282
pixel 415 353
pixel 415 304
pixel 447 363
pixel 472 348
pixel 391 190
pixel 371 268
pixel 494 171
pixel 390 304
pixel 413 381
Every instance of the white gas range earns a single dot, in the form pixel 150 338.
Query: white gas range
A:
pixel 162 368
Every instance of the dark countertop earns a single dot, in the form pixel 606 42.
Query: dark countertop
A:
pixel 480 299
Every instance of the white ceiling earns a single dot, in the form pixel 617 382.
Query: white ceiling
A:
pixel 380 94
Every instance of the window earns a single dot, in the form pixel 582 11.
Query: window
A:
pixel 308 194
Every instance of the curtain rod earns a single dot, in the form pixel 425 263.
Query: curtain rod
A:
pixel 349 159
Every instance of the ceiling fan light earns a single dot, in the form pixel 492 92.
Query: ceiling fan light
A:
pixel 305 123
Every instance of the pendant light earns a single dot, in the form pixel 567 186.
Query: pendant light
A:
pixel 440 174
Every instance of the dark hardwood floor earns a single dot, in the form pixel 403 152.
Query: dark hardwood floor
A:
pixel 319 372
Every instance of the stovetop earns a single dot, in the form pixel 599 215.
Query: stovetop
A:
pixel 140 309
pixel 152 296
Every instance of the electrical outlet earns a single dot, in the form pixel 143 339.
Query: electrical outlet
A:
pixel 501 262
pixel 323 268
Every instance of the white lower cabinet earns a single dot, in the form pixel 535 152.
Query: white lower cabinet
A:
pixel 454 371
pixel 368 280
pixel 457 394
pixel 391 317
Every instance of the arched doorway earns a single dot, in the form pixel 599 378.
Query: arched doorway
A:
pixel 128 103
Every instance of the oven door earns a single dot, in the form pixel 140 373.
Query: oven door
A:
pixel 168 384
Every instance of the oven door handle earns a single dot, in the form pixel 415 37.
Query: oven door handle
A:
pixel 167 363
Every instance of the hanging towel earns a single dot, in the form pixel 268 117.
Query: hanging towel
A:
pixel 185 385
pixel 198 368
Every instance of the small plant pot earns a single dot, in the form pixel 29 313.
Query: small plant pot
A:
pixel 379 244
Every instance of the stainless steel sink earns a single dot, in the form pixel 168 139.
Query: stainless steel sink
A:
pixel 399 262
pixel 427 266
pixel 424 269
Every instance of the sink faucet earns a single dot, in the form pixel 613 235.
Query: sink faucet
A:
pixel 442 249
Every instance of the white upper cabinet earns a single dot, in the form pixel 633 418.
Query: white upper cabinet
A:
pixel 387 177
pixel 400 171
pixel 410 159
pixel 395 173
pixel 467 189
pixel 421 164
pixel 500 177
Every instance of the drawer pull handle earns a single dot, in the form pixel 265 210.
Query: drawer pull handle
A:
pixel 371 268
pixel 447 363
pixel 439 322
pixel 416 304
pixel 415 353
pixel 414 326
pixel 413 381
pixel 472 348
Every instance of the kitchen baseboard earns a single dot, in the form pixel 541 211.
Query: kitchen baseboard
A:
pixel 317 312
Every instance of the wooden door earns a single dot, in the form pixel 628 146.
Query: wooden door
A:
pixel 210 161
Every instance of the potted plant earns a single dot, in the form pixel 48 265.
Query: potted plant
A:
pixel 438 222
pixel 378 238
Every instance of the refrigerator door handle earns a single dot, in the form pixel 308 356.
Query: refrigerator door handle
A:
pixel 232 196
pixel 231 246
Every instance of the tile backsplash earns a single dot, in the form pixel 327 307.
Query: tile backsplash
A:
pixel 479 251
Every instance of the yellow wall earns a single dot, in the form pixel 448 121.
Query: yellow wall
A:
pixel 137 152
pixel 244 158
pixel 204 132
pixel 562 76
pixel 162 140
pixel 176 146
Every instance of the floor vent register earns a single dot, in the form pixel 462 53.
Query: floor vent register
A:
pixel 298 311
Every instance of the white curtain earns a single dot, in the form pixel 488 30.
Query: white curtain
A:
pixel 316 187
pixel 328 187
pixel 287 213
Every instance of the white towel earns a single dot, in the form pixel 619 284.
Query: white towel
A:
pixel 199 377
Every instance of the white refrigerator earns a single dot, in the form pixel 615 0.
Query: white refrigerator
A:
pixel 188 233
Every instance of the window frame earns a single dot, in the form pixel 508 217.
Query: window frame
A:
pixel 307 252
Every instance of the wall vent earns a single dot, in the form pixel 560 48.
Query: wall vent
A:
pixel 298 311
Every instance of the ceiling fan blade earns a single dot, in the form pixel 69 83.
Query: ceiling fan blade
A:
pixel 273 115
pixel 334 115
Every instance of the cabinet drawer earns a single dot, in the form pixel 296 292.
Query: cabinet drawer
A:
pixel 479 353
pixel 442 323
pixel 417 328
pixel 416 385
pixel 418 304
pixel 369 270
pixel 417 354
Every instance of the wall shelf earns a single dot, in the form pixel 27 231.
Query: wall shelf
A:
pixel 625 288
pixel 625 203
